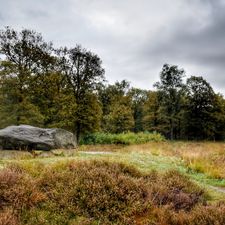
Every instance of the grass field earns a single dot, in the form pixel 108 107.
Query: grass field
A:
pixel 202 162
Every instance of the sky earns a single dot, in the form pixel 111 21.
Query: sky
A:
pixel 134 38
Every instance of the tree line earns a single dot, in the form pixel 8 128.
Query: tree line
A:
pixel 66 87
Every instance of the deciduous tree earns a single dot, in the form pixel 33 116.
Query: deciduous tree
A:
pixel 83 71
pixel 170 90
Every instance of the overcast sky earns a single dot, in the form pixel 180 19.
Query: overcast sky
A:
pixel 134 38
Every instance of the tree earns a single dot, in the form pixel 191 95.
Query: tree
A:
pixel 15 106
pixel 200 108
pixel 11 109
pixel 109 96
pixel 54 100
pixel 26 56
pixel 138 99
pixel 151 118
pixel 83 72
pixel 120 119
pixel 170 89
pixel 88 114
pixel 219 117
pixel 27 51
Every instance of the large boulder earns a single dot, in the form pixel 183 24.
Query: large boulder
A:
pixel 25 137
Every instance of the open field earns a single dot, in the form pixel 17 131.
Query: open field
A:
pixel 203 163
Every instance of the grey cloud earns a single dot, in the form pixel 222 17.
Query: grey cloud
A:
pixel 36 13
pixel 201 48
pixel 133 38
pixel 1 17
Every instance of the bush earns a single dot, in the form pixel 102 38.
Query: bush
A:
pixel 177 191
pixel 201 215
pixel 18 190
pixel 101 192
pixel 7 217
pixel 105 191
pixel 123 138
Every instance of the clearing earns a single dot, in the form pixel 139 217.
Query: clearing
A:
pixel 203 162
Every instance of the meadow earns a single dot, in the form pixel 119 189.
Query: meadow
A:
pixel 159 182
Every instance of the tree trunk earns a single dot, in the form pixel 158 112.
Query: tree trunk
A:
pixel 78 133
pixel 171 129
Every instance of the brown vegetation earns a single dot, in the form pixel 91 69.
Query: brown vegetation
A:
pixel 95 192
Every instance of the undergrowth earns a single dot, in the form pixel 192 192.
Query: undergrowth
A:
pixel 122 138
pixel 101 192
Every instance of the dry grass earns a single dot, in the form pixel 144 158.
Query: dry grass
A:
pixel 200 157
pixel 203 157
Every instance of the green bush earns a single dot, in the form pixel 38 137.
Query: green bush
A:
pixel 123 138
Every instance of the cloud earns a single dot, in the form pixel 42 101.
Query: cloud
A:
pixel 133 38
pixel 197 45
pixel 1 17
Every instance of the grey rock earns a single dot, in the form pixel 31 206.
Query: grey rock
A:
pixel 25 137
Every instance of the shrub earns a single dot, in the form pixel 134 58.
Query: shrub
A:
pixel 177 192
pixel 123 138
pixel 18 190
pixel 7 217
pixel 200 215
pixel 102 192
pixel 105 191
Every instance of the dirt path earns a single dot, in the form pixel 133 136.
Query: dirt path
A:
pixel 95 152
pixel 219 189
